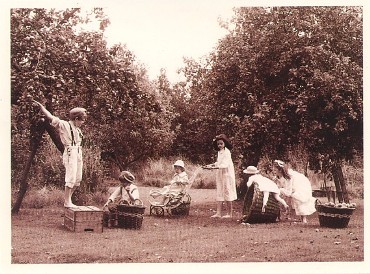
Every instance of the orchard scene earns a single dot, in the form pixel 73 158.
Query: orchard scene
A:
pixel 284 83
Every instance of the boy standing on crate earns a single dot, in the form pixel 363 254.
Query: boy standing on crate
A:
pixel 71 137
pixel 126 193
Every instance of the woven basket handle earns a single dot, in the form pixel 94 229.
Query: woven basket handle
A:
pixel 138 202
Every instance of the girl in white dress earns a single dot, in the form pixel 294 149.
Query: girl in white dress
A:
pixel 225 177
pixel 298 187
pixel 265 185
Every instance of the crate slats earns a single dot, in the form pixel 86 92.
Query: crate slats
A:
pixel 83 219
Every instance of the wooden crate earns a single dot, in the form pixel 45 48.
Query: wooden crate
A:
pixel 83 219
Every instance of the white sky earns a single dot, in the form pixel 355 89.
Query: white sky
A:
pixel 161 33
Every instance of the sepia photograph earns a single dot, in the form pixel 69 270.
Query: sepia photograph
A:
pixel 152 136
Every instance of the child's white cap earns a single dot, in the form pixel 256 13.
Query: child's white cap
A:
pixel 179 163
pixel 77 112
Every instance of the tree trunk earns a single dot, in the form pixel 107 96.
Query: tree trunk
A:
pixel 37 131
pixel 24 184
pixel 340 183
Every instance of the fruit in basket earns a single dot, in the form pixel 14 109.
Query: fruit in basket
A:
pixel 331 204
pixel 352 205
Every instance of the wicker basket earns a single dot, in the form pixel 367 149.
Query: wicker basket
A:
pixel 252 209
pixel 334 217
pixel 124 216
pixel 130 216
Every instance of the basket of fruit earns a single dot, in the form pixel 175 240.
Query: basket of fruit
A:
pixel 335 215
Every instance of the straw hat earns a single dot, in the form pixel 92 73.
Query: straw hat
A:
pixel 251 170
pixel 127 176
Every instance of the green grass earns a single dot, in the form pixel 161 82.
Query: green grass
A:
pixel 38 237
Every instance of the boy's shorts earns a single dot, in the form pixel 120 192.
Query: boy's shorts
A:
pixel 72 160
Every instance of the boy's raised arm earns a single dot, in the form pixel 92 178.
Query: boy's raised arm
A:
pixel 47 113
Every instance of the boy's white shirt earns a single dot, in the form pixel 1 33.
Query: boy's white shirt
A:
pixel 116 195
pixel 64 129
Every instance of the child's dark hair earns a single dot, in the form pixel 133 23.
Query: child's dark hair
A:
pixel 224 138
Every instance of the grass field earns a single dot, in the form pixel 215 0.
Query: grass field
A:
pixel 38 237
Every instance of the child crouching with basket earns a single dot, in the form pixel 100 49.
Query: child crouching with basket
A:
pixel 126 193
pixel 125 209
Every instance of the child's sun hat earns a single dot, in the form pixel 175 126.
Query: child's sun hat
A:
pixel 127 176
pixel 251 170
pixel 179 163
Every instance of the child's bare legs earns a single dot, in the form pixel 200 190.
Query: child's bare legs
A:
pixel 218 212
pixel 304 219
pixel 229 206
pixel 68 196
pixel 265 199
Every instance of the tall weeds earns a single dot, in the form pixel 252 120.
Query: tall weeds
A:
pixel 158 173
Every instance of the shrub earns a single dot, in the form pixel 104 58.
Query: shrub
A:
pixel 92 169
pixel 43 197
pixel 354 174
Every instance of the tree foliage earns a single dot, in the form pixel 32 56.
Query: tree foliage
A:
pixel 60 61
pixel 282 78
pixel 287 76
